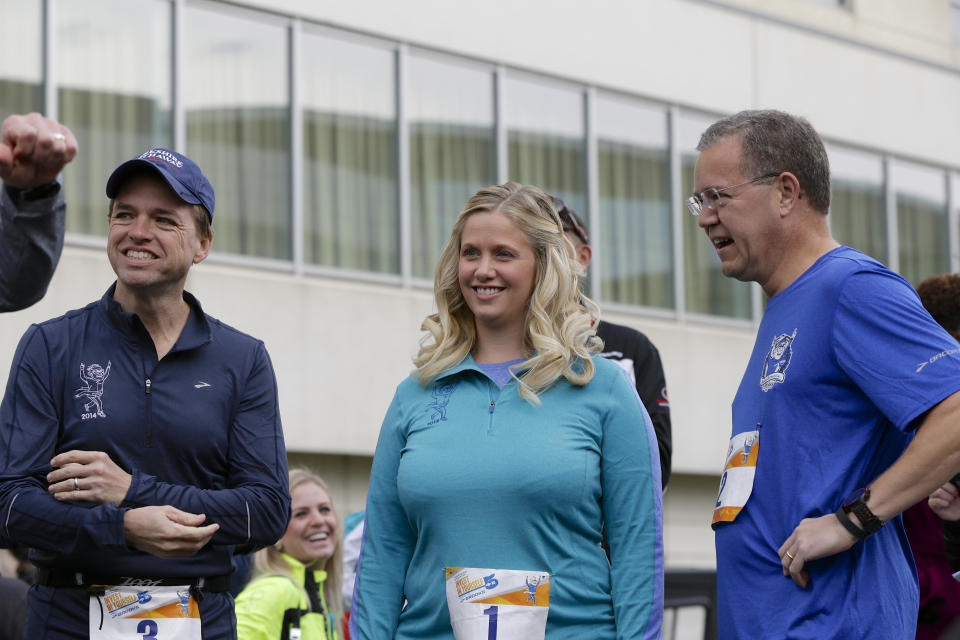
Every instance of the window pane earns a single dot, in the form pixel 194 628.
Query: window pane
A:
pixel 857 209
pixel 707 290
pixel 351 218
pixel 238 130
pixel 635 246
pixel 955 21
pixel 452 149
pixel 955 199
pixel 922 226
pixel 21 69
pixel 113 65
pixel 545 135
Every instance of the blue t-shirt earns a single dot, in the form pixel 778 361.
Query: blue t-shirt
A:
pixel 845 360
pixel 499 372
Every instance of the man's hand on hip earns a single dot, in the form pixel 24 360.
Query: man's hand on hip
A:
pixel 814 538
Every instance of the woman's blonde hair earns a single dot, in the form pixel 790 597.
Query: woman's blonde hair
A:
pixel 268 562
pixel 559 334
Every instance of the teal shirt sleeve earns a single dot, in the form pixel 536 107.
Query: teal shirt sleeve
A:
pixel 388 539
pixel 633 513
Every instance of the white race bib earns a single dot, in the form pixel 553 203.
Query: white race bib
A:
pixel 497 604
pixel 144 613
pixel 736 483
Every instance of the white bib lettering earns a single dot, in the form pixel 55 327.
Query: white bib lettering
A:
pixel 144 613
pixel 497 604
pixel 736 483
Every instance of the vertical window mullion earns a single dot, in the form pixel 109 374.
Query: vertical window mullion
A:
pixel 500 124
pixel 890 205
pixel 50 103
pixel 177 104
pixel 593 189
pixel 953 219
pixel 403 165
pixel 296 144
pixel 676 205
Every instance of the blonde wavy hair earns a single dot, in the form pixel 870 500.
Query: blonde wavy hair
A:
pixel 268 561
pixel 559 319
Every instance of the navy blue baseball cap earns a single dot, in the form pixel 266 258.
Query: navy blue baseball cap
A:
pixel 180 172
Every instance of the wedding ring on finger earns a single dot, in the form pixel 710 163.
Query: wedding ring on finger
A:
pixel 789 555
pixel 59 137
pixel 76 484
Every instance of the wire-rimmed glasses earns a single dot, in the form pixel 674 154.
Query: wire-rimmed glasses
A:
pixel 710 197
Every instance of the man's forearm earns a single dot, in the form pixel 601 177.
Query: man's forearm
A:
pixel 31 236
pixel 932 458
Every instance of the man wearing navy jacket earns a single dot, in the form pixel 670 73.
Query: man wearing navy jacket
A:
pixel 140 439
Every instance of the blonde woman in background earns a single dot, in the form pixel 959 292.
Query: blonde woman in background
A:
pixel 295 592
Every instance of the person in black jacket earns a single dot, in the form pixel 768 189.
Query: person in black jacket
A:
pixel 629 348
pixel 33 151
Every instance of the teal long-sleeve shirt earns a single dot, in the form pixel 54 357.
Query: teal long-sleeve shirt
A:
pixel 469 475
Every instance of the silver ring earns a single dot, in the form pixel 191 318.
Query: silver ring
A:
pixel 59 136
pixel 76 484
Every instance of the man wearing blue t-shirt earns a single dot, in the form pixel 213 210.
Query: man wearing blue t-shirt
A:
pixel 848 411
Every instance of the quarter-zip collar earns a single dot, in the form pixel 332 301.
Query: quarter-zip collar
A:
pixel 195 333
pixel 467 364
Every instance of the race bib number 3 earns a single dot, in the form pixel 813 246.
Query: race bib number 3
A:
pixel 497 604
pixel 144 613
pixel 736 483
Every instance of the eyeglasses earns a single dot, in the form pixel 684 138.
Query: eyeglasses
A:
pixel 569 221
pixel 710 197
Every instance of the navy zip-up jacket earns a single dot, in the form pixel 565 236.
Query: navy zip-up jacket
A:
pixel 198 430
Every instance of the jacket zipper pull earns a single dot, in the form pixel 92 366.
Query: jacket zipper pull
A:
pixel 149 434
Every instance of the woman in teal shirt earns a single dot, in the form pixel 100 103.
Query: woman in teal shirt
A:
pixel 295 593
pixel 508 451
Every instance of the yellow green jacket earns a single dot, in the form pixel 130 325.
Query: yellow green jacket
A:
pixel 272 606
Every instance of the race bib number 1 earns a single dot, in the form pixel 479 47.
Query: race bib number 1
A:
pixel 144 613
pixel 736 483
pixel 497 604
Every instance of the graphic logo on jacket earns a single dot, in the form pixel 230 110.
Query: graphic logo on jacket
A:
pixel 441 397
pixel 777 360
pixel 93 377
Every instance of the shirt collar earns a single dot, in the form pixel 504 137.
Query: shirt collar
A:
pixel 195 333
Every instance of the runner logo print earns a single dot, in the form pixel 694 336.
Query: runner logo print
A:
pixel 93 377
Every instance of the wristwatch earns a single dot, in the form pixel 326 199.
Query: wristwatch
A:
pixel 856 503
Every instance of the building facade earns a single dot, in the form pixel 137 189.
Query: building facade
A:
pixel 342 139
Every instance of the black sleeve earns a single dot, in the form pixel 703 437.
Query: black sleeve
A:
pixel 31 239
pixel 650 380
pixel 951 543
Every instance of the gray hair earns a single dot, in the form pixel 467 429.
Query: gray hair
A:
pixel 774 141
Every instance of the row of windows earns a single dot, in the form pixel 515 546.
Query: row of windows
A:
pixel 333 151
